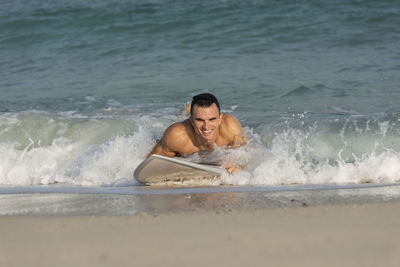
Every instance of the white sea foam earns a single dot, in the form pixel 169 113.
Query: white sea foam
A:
pixel 43 149
pixel 114 162
pixel 39 148
pixel 296 157
pixel 111 163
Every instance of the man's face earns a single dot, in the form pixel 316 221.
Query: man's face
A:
pixel 206 121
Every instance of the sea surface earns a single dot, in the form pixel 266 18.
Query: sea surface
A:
pixel 87 87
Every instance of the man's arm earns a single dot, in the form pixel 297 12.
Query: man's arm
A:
pixel 162 150
pixel 172 143
pixel 232 130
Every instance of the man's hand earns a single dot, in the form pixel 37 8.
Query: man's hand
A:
pixel 232 168
pixel 238 141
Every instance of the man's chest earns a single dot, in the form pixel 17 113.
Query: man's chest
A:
pixel 192 148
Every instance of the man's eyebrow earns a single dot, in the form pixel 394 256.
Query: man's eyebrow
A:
pixel 210 119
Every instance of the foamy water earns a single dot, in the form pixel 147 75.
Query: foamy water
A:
pixel 104 150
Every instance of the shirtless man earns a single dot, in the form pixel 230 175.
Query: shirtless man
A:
pixel 205 127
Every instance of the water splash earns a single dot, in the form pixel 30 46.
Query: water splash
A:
pixel 103 150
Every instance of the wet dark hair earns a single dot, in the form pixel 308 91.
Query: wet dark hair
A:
pixel 204 100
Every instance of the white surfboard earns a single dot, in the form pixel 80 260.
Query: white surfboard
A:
pixel 159 169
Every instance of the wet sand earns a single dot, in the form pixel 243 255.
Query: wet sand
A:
pixel 78 201
pixel 330 235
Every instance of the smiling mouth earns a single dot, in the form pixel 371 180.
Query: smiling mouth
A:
pixel 206 133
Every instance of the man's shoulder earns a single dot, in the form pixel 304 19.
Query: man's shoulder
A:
pixel 177 128
pixel 230 118
pixel 231 131
pixel 231 123
pixel 177 132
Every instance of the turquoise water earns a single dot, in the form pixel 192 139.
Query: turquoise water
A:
pixel 88 86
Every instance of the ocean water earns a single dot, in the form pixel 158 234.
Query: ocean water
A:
pixel 87 87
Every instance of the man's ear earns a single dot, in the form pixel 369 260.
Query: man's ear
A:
pixel 220 118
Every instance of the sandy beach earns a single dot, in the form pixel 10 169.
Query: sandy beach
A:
pixel 330 235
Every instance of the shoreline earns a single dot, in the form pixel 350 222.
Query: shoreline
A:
pixel 364 234
pixel 150 200
pixel 164 189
